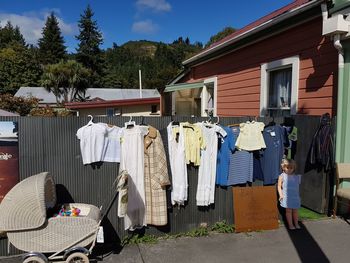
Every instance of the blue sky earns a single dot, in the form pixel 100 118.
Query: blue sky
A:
pixel 124 20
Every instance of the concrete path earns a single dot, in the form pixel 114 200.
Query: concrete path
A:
pixel 326 240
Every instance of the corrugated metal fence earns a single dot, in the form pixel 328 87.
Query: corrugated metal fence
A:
pixel 50 144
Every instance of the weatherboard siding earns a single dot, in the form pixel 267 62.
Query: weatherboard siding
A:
pixel 239 72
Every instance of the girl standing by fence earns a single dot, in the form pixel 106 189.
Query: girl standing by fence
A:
pixel 288 190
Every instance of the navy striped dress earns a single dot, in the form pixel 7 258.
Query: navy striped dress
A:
pixel 241 165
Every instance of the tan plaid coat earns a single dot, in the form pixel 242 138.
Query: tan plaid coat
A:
pixel 156 178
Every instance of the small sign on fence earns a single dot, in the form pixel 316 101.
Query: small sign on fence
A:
pixel 255 208
pixel 9 172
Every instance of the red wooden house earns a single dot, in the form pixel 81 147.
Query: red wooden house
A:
pixel 278 65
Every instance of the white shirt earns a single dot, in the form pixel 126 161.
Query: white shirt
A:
pixel 207 169
pixel 112 144
pixel 179 192
pixel 92 142
pixel 132 160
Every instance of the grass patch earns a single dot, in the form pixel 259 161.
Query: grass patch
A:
pixel 137 239
pixel 223 227
pixel 307 214
pixel 198 232
pixel 220 227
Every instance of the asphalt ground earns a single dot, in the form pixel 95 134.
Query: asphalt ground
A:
pixel 325 240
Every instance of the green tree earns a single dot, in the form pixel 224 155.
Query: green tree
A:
pixel 159 63
pixel 66 80
pixel 21 105
pixel 10 35
pixel 88 52
pixel 18 67
pixel 222 34
pixel 51 44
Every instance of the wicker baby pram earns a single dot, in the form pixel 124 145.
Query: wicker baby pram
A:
pixel 23 216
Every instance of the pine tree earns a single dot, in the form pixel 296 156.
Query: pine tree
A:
pixel 18 68
pixel 51 45
pixel 9 35
pixel 89 53
pixel 18 37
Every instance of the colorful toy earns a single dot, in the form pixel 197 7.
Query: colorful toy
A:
pixel 64 212
pixel 75 211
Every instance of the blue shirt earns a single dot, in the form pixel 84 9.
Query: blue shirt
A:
pixel 226 146
pixel 272 156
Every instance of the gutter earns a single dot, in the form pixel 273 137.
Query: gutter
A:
pixel 339 134
pixel 111 103
pixel 255 30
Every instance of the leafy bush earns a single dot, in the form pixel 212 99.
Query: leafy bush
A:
pixel 21 105
pixel 50 112
pixel 47 111
pixel 223 227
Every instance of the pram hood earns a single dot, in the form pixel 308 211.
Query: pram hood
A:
pixel 24 206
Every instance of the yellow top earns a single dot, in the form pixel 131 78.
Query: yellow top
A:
pixel 194 142
pixel 250 137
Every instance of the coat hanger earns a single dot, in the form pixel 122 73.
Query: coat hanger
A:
pixel 208 123
pixel 218 120
pixel 174 123
pixel 130 123
pixel 272 122
pixel 188 127
pixel 208 120
pixel 91 120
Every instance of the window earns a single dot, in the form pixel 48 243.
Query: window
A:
pixel 154 109
pixel 110 112
pixel 279 87
pixel 209 97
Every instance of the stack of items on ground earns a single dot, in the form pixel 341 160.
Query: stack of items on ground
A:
pixel 225 155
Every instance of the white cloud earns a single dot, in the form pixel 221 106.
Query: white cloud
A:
pixel 155 5
pixel 31 24
pixel 145 27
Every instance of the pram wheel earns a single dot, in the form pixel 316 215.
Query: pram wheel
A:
pixel 34 259
pixel 77 257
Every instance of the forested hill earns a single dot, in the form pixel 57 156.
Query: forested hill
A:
pixel 48 63
pixel 159 63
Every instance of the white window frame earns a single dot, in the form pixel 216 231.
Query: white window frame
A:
pixel 173 103
pixel 266 68
pixel 204 96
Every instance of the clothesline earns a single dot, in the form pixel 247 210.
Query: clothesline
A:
pixel 224 156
